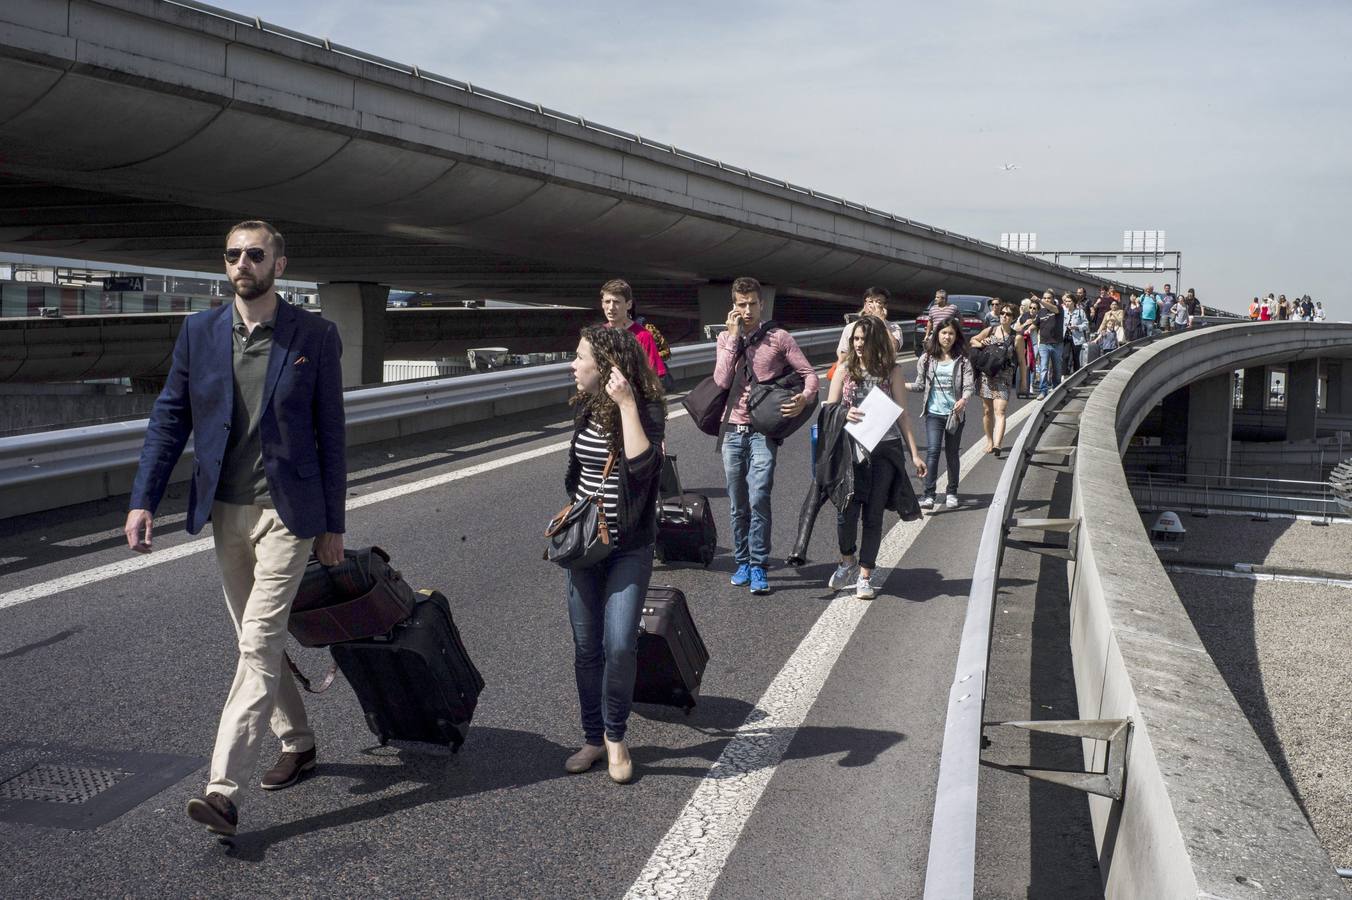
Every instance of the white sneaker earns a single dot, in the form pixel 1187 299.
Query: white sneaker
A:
pixel 927 503
pixel 951 501
pixel 843 576
pixel 864 589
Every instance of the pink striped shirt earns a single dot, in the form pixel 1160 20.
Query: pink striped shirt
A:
pixel 769 357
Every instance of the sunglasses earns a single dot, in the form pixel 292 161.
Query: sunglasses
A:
pixel 255 254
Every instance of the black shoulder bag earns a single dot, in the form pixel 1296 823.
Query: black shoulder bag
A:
pixel 579 536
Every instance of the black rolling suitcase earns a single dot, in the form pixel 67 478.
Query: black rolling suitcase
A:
pixel 685 524
pixel 417 683
pixel 671 654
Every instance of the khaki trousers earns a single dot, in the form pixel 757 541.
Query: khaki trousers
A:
pixel 261 567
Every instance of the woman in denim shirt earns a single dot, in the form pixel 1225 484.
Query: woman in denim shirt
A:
pixel 946 379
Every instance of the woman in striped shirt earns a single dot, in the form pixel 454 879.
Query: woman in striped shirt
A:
pixel 620 416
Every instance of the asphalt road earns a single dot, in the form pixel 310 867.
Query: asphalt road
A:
pixel 141 662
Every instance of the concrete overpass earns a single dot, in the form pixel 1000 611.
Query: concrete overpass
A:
pixel 139 130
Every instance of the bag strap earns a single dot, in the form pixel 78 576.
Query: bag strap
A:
pixel 324 684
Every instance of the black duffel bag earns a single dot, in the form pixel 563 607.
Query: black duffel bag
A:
pixel 360 597
pixel 767 397
pixel 706 405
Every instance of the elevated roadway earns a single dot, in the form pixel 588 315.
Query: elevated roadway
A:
pixel 806 770
pixel 139 130
pixel 812 766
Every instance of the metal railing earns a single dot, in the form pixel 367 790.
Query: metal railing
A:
pixel 1234 493
pixel 950 871
pixel 324 43
pixel 29 459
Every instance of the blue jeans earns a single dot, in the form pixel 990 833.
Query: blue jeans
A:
pixel 1148 327
pixel 936 437
pixel 1048 358
pixel 749 464
pixel 605 603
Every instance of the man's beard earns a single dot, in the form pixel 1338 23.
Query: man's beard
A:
pixel 251 289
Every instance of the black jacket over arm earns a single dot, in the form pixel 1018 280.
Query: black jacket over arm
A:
pixel 638 477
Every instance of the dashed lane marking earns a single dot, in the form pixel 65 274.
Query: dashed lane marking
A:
pixel 688 860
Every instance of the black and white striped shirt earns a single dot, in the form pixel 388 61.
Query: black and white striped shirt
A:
pixel 592 450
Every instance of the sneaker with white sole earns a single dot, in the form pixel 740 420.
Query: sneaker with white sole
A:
pixel 951 501
pixel 927 503
pixel 864 589
pixel 843 576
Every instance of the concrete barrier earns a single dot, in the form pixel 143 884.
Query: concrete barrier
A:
pixel 1205 812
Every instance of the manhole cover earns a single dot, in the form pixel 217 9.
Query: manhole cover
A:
pixel 48 783
pixel 60 786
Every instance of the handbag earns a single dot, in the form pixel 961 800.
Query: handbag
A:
pixel 767 397
pixel 954 422
pixel 360 597
pixel 706 405
pixel 579 536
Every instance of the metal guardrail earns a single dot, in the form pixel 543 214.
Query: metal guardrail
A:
pixel 1234 493
pixel 33 458
pixel 324 43
pixel 950 871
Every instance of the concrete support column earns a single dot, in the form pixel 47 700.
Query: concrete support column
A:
pixel 1340 388
pixel 1210 420
pixel 1255 389
pixel 1302 385
pixel 358 309
pixel 715 302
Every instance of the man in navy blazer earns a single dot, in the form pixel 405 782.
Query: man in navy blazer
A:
pixel 258 384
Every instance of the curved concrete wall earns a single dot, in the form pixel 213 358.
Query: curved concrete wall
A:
pixel 1205 811
pixel 179 105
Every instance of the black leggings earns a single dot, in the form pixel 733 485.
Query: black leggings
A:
pixel 872 486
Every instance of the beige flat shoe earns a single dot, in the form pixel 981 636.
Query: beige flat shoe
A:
pixel 620 765
pixel 583 759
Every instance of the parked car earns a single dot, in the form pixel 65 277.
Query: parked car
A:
pixel 974 314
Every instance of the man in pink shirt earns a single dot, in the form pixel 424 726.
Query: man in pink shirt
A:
pixel 617 303
pixel 749 457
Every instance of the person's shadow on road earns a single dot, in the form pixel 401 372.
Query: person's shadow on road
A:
pixel 495 759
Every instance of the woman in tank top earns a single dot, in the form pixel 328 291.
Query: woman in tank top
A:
pixel 620 418
pixel 870 363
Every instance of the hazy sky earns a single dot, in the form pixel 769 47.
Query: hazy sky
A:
pixel 1226 124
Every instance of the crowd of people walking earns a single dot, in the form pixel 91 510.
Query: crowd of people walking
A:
pixel 272 469
pixel 1279 309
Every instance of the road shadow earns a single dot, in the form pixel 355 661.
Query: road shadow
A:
pixel 496 759
pixel 492 759
pixel 45 642
pixel 721 719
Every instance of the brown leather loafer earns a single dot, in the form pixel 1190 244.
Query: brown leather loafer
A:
pixel 288 769
pixel 583 759
pixel 214 811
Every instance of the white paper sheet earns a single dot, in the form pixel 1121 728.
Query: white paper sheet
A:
pixel 880 412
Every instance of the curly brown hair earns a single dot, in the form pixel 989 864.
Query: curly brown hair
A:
pixel 879 356
pixel 617 348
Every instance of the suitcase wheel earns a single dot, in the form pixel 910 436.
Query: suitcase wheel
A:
pixel 706 556
pixel 661 554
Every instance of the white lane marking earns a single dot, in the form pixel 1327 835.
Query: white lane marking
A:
pixel 170 554
pixel 688 860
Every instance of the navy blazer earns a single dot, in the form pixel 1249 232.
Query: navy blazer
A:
pixel 302 429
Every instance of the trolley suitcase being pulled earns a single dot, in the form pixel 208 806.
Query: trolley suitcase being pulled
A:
pixel 671 654
pixel 685 524
pixel 417 683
